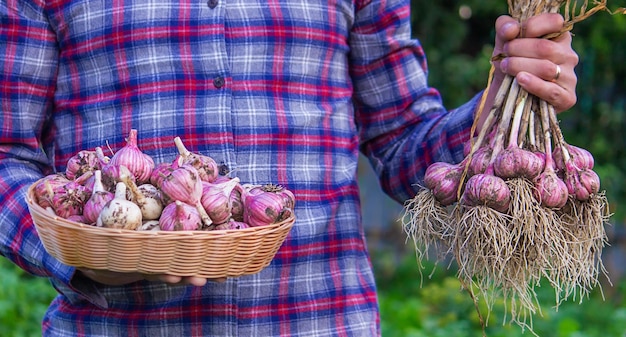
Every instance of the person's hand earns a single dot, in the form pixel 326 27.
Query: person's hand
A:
pixel 543 67
pixel 117 279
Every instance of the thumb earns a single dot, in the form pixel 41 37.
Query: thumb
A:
pixel 507 29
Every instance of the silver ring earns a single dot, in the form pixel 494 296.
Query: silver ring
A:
pixel 558 73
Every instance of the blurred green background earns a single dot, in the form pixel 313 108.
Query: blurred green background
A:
pixel 457 36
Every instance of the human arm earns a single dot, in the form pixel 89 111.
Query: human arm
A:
pixel 28 82
pixel 405 128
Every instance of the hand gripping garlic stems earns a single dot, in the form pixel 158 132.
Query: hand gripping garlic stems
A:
pixel 120 213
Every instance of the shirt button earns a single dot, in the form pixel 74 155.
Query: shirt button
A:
pixel 212 3
pixel 219 82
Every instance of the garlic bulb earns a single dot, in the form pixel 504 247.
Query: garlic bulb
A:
pixel 443 180
pixel 216 200
pixel 160 172
pixel 550 190
pixel 146 196
pixel 68 199
pixel 516 162
pixel 488 190
pixel 80 163
pixel 236 198
pixel 232 224
pixel 120 213
pixel 44 190
pixel 99 198
pixel 208 169
pixel 151 204
pixel 184 184
pixel 139 163
pixel 150 225
pixel 180 216
pixel 267 204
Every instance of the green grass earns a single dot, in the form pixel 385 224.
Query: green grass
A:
pixel 23 301
pixel 435 305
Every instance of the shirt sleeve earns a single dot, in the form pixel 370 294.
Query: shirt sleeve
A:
pixel 28 48
pixel 402 123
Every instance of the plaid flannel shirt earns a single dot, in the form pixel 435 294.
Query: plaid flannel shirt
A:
pixel 280 91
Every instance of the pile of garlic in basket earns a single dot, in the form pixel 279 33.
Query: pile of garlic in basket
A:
pixel 129 191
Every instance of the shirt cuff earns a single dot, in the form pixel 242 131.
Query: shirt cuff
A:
pixel 72 284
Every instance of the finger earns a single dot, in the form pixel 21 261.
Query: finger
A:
pixel 558 96
pixel 558 52
pixel 162 278
pixel 507 28
pixel 200 281
pixel 110 277
pixel 544 69
pixel 179 280
pixel 541 25
pixel 195 281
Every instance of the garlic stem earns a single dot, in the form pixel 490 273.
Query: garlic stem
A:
pixel 140 199
pixel 558 134
pixel 97 183
pixel 100 155
pixel 540 141
pixel 531 130
pixel 545 124
pixel 491 118
pixel 182 150
pixel 517 117
pixel 522 136
pixel 204 216
pixel 181 147
pixel 505 121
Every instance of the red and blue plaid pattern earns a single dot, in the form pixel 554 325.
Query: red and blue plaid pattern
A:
pixel 280 91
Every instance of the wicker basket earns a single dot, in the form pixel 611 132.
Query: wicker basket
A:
pixel 208 254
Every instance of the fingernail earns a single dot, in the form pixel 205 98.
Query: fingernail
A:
pixel 504 65
pixel 507 26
